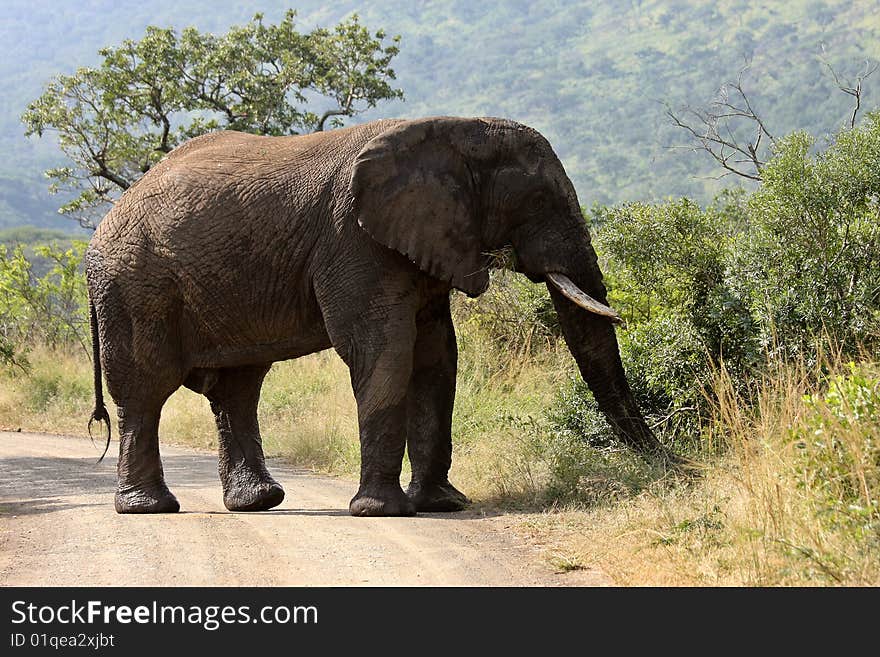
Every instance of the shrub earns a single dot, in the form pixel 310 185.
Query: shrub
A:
pixel 669 372
pixel 674 260
pixel 811 261
pixel 514 313
pixel 746 282
pixel 668 273
pixel 838 444
pixel 45 307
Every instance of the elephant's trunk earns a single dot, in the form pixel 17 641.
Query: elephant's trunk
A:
pixel 590 336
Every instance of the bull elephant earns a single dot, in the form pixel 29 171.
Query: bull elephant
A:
pixel 236 251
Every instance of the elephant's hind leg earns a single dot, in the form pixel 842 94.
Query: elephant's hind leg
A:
pixel 142 371
pixel 141 480
pixel 247 484
pixel 429 411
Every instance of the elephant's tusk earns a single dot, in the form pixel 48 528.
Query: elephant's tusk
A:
pixel 565 285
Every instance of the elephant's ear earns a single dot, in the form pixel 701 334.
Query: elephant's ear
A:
pixel 414 193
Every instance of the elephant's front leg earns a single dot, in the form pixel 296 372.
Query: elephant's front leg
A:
pixel 247 484
pixel 429 411
pixel 381 365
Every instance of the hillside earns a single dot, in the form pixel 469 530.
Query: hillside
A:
pixel 590 76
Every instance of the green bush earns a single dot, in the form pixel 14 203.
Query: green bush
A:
pixel 576 413
pixel 674 260
pixel 749 281
pixel 513 313
pixel 669 369
pixel 668 272
pixel 838 443
pixel 810 264
pixel 47 308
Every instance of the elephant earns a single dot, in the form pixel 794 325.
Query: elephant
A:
pixel 238 250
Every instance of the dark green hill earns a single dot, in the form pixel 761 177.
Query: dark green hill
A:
pixel 590 76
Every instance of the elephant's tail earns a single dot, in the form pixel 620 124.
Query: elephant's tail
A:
pixel 100 413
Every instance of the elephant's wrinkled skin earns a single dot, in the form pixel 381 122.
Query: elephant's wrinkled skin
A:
pixel 237 251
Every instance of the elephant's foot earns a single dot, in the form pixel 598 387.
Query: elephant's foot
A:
pixel 381 500
pixel 441 496
pixel 245 490
pixel 155 498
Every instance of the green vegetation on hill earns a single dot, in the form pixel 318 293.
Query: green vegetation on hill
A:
pixel 31 235
pixel 591 76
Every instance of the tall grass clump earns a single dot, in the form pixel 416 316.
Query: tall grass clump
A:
pixel 791 499
pixel 806 460
pixel 55 394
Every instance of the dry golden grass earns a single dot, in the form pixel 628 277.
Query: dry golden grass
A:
pixel 782 506
pixel 501 399
pixel 56 397
pixel 307 410
pixel 307 415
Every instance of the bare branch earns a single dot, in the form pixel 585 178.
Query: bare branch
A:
pixel 343 110
pixel 722 149
pixel 326 115
pixel 115 178
pixel 716 129
pixel 855 89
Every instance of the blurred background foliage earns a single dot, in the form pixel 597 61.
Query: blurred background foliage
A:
pixel 592 77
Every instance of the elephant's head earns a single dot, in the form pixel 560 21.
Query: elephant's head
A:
pixel 447 192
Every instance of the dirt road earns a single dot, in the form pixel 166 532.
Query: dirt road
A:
pixel 58 527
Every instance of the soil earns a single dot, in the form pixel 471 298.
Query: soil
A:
pixel 58 528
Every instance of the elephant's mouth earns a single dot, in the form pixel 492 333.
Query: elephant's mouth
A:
pixel 571 291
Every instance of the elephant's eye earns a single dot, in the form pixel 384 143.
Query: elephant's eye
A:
pixel 537 202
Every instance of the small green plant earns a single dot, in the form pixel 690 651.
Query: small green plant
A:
pixel 48 390
pixel 838 445
pixel 41 392
pixel 589 477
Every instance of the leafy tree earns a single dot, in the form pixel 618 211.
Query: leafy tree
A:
pixel 811 264
pixel 117 120
pixel 47 308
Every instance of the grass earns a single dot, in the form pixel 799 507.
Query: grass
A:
pixel 792 499
pixel 788 494
pixel 307 411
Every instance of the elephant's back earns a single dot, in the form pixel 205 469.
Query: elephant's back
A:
pixel 241 161
pixel 228 176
